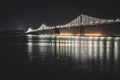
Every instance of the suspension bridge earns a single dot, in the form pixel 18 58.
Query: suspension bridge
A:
pixel 81 21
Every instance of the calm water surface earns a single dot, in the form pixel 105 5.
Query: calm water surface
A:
pixel 60 56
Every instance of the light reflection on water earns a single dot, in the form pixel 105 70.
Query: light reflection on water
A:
pixel 85 53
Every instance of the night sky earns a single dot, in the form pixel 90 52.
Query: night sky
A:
pixel 16 15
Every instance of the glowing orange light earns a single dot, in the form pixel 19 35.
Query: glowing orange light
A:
pixel 66 34
pixel 70 34
pixel 93 34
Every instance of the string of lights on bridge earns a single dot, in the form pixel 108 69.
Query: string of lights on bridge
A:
pixel 81 20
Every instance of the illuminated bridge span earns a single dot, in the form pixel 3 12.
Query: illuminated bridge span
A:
pixel 80 21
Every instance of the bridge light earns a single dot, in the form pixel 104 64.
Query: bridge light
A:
pixel 112 20
pixel 109 21
pixel 29 30
pixel 96 22
pixel 69 24
pixel 118 20
pixel 103 21
pixel 65 25
pixel 58 26
pixel 91 22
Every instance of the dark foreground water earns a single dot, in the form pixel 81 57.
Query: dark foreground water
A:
pixel 59 57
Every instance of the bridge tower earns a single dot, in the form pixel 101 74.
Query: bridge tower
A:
pixel 57 30
pixel 82 25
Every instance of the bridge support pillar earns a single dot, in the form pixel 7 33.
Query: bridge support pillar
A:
pixel 82 31
pixel 57 30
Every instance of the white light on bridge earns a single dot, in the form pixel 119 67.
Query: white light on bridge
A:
pixel 118 20
pixel 109 21
pixel 91 22
pixel 29 30
pixel 103 21
pixel 96 22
